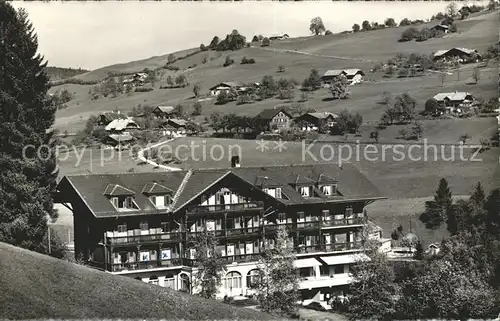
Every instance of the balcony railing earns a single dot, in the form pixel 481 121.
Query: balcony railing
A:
pixel 308 225
pixel 135 239
pixel 343 222
pixel 230 259
pixel 229 232
pixel 132 266
pixel 329 247
pixel 226 207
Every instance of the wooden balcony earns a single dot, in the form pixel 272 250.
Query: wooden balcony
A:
pixel 247 231
pixel 230 259
pixel 349 246
pixel 133 266
pixel 239 207
pixel 345 222
pixel 149 238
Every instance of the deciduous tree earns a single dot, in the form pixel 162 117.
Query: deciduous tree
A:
pixel 316 26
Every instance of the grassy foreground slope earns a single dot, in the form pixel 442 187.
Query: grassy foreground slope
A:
pixel 38 286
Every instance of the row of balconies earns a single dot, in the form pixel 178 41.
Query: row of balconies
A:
pixel 247 231
pixel 238 257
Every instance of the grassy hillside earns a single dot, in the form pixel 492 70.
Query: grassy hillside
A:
pixel 58 73
pixel 38 286
pixel 358 50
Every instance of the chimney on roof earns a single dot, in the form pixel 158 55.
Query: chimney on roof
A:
pixel 235 161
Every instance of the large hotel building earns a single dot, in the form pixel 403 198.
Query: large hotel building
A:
pixel 142 224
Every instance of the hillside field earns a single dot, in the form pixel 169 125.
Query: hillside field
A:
pixel 36 286
pixel 358 50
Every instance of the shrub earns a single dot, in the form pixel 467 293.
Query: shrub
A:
pixel 424 35
pixel 328 32
pixel 265 42
pixel 389 22
pixel 172 67
pixel 355 27
pixel 453 28
pixel 228 61
pixel 245 61
pixel 409 34
pixel 203 47
pixel 281 68
pixel 142 89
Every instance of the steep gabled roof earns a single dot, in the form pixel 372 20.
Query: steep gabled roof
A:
pixel 454 96
pixel 323 115
pixel 352 186
pixel 268 114
pixel 153 188
pixel 324 178
pixel 352 72
pixel 299 180
pixel 166 109
pixel 117 190
pixel 110 116
pixel 333 72
pixel 121 124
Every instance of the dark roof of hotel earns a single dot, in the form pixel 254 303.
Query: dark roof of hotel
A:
pixel 351 185
pixel 268 114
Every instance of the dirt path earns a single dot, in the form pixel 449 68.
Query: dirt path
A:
pixel 312 54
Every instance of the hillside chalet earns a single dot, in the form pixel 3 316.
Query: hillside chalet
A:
pixel 174 126
pixel 119 140
pixel 279 37
pixel 455 101
pixel 121 126
pixel 137 79
pixel 441 28
pixel 163 112
pixel 274 119
pixel 142 225
pixel 354 76
pixel 314 121
pixel 107 117
pixel 463 55
pixel 226 86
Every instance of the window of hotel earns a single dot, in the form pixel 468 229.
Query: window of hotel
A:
pixel 278 192
pixel 161 201
pixel 282 218
pixel 326 190
pixel 339 269
pixel 348 211
pixel 153 280
pixel 253 277
pixel 165 227
pixel 185 284
pixel 305 191
pixel 232 280
pixel 324 270
pixel 301 216
pixel 122 203
pixel 121 228
pixel 325 215
pixel 144 225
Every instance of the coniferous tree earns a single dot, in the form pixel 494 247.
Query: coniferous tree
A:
pixel 27 177
pixel 436 211
pixel 478 197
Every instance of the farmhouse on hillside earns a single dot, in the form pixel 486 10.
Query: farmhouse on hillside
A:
pixel 314 121
pixel 463 55
pixel 121 126
pixel 442 28
pixel 226 86
pixel 452 102
pixel 354 76
pixel 139 225
pixel 107 117
pixel 274 119
pixel 119 140
pixel 174 126
pixel 163 112
pixel 279 37
pixel 138 79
